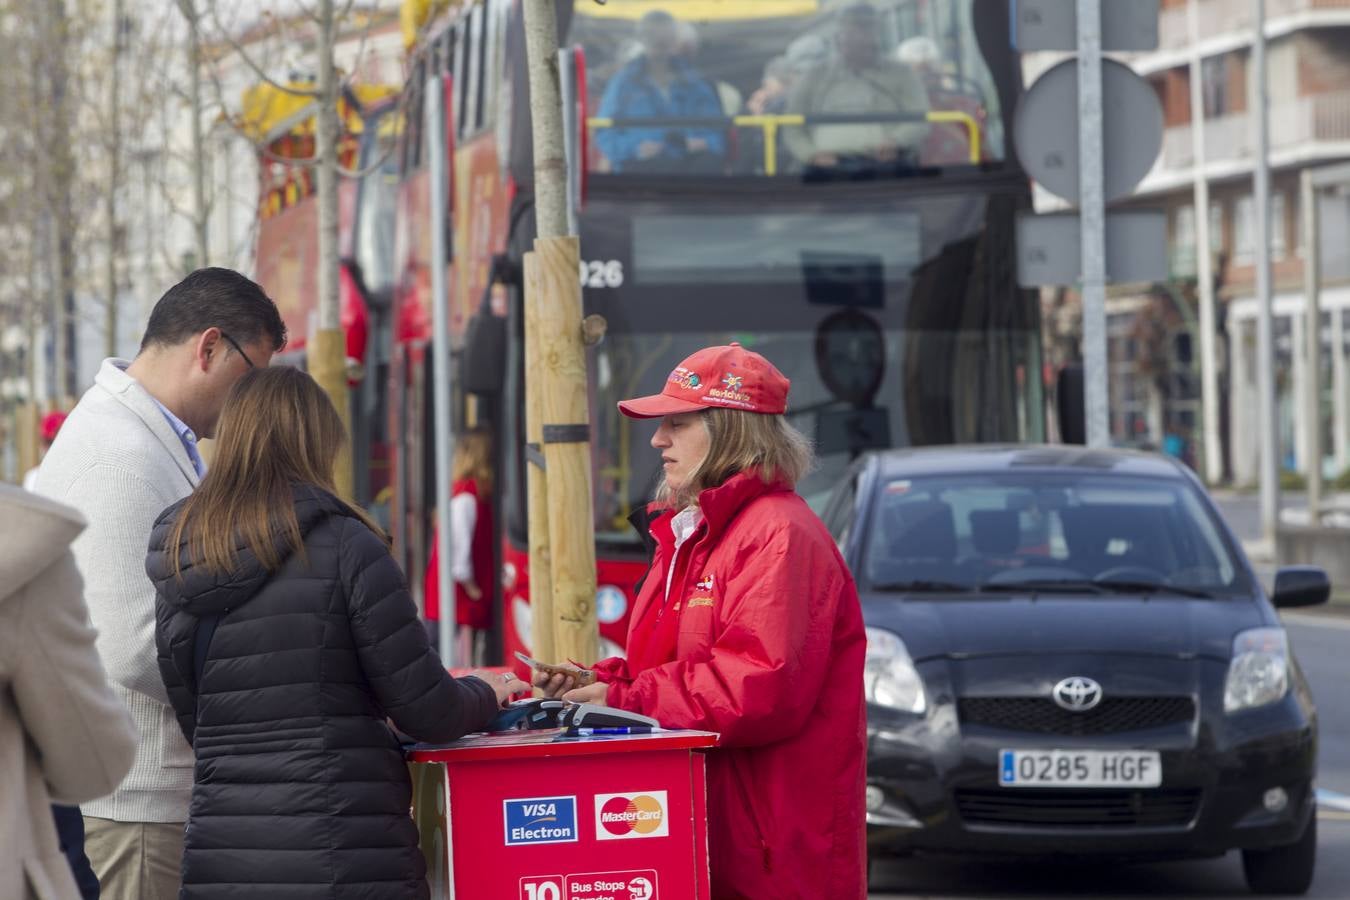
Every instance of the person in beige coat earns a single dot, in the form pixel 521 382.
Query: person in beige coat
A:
pixel 64 734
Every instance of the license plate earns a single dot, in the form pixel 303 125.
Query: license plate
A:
pixel 1079 768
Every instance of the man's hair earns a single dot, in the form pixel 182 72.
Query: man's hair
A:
pixel 219 298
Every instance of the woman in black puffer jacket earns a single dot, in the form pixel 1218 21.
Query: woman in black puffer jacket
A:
pixel 308 641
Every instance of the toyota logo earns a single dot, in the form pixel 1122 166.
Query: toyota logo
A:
pixel 1077 694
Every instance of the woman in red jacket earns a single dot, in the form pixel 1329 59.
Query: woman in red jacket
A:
pixel 473 569
pixel 748 624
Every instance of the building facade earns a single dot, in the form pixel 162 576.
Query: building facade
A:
pixel 1154 335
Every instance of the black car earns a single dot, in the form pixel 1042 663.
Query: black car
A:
pixel 1068 653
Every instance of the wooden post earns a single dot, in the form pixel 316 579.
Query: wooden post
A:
pixel 561 372
pixel 557 367
pixel 542 644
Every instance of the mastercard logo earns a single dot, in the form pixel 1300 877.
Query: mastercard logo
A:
pixel 635 815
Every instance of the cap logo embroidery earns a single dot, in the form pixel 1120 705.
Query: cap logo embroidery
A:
pixel 686 379
pixel 734 394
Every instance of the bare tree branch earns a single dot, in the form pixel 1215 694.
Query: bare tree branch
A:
pixel 248 60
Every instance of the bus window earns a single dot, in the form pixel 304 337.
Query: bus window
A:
pixel 881 84
pixel 473 112
pixel 412 135
pixel 461 77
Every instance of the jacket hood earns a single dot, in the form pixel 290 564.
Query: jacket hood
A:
pixel 201 592
pixel 34 533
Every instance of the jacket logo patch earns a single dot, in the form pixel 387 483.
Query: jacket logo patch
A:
pixel 699 601
pixel 705 584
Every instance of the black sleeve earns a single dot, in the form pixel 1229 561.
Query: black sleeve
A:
pixel 180 693
pixel 406 675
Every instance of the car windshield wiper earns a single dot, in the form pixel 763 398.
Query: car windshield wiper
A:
pixel 1152 587
pixel 926 587
pixel 1045 585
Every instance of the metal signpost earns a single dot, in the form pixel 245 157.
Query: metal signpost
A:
pixel 1096 158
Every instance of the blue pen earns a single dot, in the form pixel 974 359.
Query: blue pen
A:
pixel 625 729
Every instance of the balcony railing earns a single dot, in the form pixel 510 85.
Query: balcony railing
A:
pixel 1220 17
pixel 1307 120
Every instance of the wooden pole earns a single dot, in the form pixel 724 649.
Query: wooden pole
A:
pixel 561 373
pixel 542 644
pixel 557 367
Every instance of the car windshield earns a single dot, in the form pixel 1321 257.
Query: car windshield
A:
pixel 1048 533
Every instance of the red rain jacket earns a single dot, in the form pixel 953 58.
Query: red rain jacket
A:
pixel 761 640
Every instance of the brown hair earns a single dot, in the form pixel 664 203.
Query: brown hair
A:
pixel 278 429
pixel 741 441
pixel 473 458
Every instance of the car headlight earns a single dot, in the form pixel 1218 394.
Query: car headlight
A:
pixel 1259 672
pixel 889 676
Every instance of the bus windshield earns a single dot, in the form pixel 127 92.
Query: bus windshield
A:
pixel 893 317
pixel 786 87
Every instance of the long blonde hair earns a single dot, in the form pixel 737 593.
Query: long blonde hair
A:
pixel 741 441
pixel 473 458
pixel 278 429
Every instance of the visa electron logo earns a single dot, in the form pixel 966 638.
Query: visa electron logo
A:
pixel 633 815
pixel 540 820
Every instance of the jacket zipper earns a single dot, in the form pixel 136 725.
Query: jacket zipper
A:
pixel 765 850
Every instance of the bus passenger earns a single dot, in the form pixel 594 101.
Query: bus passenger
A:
pixel 286 637
pixel 748 624
pixel 859 81
pixel 659 84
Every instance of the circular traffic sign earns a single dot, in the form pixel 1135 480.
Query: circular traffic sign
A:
pixel 1045 129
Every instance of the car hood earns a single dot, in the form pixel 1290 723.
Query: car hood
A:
pixel 963 627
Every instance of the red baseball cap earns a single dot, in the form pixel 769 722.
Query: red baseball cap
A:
pixel 51 424
pixel 730 377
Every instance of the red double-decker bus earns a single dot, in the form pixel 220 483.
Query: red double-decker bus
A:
pixel 827 183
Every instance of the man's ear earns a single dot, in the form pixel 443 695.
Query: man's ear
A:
pixel 206 347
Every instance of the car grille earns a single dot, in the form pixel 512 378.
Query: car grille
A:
pixel 1050 808
pixel 1040 715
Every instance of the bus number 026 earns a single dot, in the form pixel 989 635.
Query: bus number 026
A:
pixel 601 273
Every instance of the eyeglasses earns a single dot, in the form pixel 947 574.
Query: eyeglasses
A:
pixel 240 350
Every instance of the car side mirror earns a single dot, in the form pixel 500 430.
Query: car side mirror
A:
pixel 1301 586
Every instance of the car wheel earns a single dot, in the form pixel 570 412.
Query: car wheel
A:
pixel 1283 870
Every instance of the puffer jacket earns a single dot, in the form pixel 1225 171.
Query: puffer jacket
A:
pixel 301 789
pixel 761 639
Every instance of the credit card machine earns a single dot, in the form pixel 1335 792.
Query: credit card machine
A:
pixel 528 714
pixel 591 715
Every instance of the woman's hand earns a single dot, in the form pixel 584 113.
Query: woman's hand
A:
pixel 596 693
pixel 505 686
pixel 553 686
pixel 474 592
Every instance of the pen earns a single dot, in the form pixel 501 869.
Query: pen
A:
pixel 625 729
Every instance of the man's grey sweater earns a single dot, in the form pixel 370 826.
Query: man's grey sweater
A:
pixel 118 461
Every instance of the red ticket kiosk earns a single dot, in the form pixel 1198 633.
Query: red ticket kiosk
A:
pixel 529 815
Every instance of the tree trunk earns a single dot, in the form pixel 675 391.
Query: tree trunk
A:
pixel 328 349
pixel 199 210
pixel 553 301
pixel 114 174
pixel 550 155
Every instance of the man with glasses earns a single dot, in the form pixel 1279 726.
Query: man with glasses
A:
pixel 127 451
